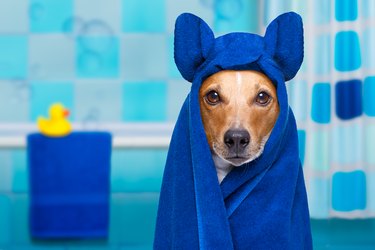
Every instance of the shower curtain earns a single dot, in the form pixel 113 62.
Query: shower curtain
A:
pixel 333 98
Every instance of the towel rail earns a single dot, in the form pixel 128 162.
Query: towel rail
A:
pixel 125 135
pixel 118 142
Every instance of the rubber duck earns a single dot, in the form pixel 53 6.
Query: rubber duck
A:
pixel 57 124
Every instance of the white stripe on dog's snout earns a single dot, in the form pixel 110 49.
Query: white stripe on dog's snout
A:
pixel 238 98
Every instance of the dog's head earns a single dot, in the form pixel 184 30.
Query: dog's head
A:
pixel 238 76
pixel 239 110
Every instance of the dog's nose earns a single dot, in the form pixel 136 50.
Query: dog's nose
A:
pixel 236 139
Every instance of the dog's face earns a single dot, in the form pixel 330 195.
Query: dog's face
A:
pixel 239 110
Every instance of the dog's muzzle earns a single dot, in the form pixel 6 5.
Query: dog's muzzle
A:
pixel 236 141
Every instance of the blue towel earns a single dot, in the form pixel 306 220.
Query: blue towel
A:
pixel 262 204
pixel 69 185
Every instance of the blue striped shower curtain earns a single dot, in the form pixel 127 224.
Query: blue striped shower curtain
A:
pixel 333 98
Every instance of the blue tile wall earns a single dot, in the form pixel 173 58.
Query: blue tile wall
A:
pixel 49 16
pixel 236 15
pixel 19 220
pixel 13 16
pixel 13 60
pixel 6 173
pixel 51 62
pixel 178 90
pixel 137 170
pixel 5 219
pixel 150 16
pixel 43 94
pixel 16 93
pixel 172 68
pixel 133 219
pixel 144 56
pixel 348 96
pixel 97 57
pixel 347 51
pixel 86 96
pixel 346 10
pixel 321 103
pixel 99 17
pixel 20 172
pixel 349 191
pixel 141 99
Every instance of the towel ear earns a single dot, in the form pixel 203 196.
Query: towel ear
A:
pixel 284 42
pixel 192 42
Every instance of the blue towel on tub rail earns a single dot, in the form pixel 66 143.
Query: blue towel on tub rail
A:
pixel 69 185
pixel 262 204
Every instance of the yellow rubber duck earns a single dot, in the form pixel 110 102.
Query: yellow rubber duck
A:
pixel 57 125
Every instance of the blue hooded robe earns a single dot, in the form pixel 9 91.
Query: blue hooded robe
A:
pixel 262 204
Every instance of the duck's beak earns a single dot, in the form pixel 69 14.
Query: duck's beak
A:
pixel 66 113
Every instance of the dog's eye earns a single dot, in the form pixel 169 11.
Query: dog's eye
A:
pixel 263 98
pixel 213 97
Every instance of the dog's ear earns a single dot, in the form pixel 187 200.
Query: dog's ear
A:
pixel 192 42
pixel 284 42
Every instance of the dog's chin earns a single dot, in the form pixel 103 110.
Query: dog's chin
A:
pixel 238 161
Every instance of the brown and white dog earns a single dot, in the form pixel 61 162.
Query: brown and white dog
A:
pixel 239 110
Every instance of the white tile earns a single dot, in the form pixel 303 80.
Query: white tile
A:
pixel 98 100
pixel 99 17
pixel 14 101
pixel 14 16
pixel 51 57
pixel 144 57
pixel 177 93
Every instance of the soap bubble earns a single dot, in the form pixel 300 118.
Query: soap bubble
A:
pixel 96 27
pixel 101 30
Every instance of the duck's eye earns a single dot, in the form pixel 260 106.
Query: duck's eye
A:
pixel 263 98
pixel 212 97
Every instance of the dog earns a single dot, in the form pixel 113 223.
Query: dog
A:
pixel 233 178
pixel 239 110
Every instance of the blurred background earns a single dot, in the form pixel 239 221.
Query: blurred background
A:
pixel 111 63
